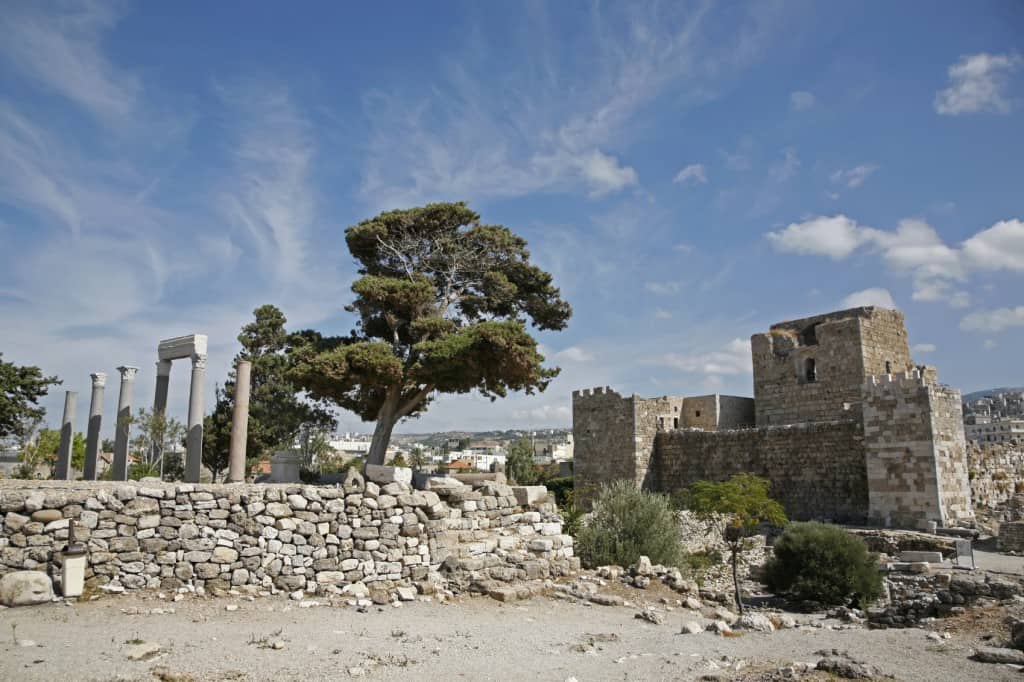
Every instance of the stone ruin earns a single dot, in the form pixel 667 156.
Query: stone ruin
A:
pixel 843 423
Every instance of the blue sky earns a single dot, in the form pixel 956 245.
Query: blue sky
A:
pixel 690 173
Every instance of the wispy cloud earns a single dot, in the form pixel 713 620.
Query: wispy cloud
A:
pixel 787 167
pixel 924 348
pixel 695 172
pixel 59 49
pixel 271 194
pixel 664 288
pixel 977 83
pixel 996 320
pixel 472 136
pixel 867 297
pixel 854 177
pixel 733 359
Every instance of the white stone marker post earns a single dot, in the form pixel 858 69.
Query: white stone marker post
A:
pixel 239 423
pixel 123 427
pixel 67 437
pixel 194 441
pixel 92 437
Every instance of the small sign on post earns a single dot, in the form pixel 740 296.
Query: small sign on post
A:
pixel 964 551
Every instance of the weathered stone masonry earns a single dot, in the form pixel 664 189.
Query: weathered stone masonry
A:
pixel 318 539
pixel 843 423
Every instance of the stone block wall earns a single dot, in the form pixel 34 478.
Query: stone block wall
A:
pixel 604 441
pixel 313 538
pixel 817 470
pixel 1011 536
pixel 916 464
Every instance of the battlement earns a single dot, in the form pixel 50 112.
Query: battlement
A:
pixel 879 383
pixel 598 391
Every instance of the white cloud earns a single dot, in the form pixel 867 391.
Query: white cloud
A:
pixel 550 415
pixel 683 248
pixel 574 354
pixel 660 314
pixel 836 237
pixel 923 348
pixel 734 359
pixel 604 173
pixel 990 344
pixel 1000 247
pixel 914 247
pixel 59 50
pixel 801 100
pixel 977 83
pixel 664 288
pixel 787 168
pixel 867 297
pixel 854 177
pixel 695 172
pixel 993 320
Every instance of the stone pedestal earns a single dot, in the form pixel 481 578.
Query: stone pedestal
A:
pixel 284 467
pixel 67 437
pixel 239 423
pixel 92 436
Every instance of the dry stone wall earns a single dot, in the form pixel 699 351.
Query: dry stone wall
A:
pixel 816 470
pixel 994 470
pixel 311 538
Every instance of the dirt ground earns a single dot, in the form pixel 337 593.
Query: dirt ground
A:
pixel 473 638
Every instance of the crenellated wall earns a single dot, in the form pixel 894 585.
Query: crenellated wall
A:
pixel 286 537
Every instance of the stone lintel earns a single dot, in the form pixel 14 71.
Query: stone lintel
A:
pixel 181 347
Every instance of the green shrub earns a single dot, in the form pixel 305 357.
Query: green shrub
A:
pixel 561 488
pixel 627 523
pixel 823 563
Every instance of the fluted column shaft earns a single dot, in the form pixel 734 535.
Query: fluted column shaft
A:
pixel 194 441
pixel 67 437
pixel 92 437
pixel 124 418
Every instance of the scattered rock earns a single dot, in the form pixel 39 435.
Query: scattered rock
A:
pixel 166 674
pixel 840 664
pixel 998 655
pixel 755 621
pixel 719 627
pixel 650 615
pixel 25 588
pixel 231 607
pixel 606 599
pixel 691 627
pixel 642 567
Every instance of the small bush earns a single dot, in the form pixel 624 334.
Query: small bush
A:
pixel 627 523
pixel 823 563
pixel 561 488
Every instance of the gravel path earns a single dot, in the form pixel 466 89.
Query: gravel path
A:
pixel 474 638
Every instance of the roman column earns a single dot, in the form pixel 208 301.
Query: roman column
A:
pixel 123 428
pixel 239 423
pixel 67 437
pixel 194 441
pixel 92 438
pixel 163 379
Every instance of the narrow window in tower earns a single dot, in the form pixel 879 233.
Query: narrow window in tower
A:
pixel 810 371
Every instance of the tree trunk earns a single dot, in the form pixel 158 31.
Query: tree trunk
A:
pixel 736 578
pixel 386 421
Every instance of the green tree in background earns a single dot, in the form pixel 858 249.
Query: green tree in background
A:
pixel 21 388
pixel 443 301
pixel 42 451
pixel 277 412
pixel 519 462
pixel 745 501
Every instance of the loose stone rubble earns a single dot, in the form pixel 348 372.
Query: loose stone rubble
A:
pixel 360 539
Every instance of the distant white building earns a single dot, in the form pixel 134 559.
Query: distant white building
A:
pixel 995 431
pixel 350 445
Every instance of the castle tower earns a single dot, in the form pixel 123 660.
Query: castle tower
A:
pixel 813 369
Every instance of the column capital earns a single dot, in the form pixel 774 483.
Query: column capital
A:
pixel 99 379
pixel 127 372
pixel 199 361
pixel 163 368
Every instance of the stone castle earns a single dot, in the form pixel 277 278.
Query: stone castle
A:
pixel 843 423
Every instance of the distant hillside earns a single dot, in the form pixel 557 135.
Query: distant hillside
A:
pixel 990 391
